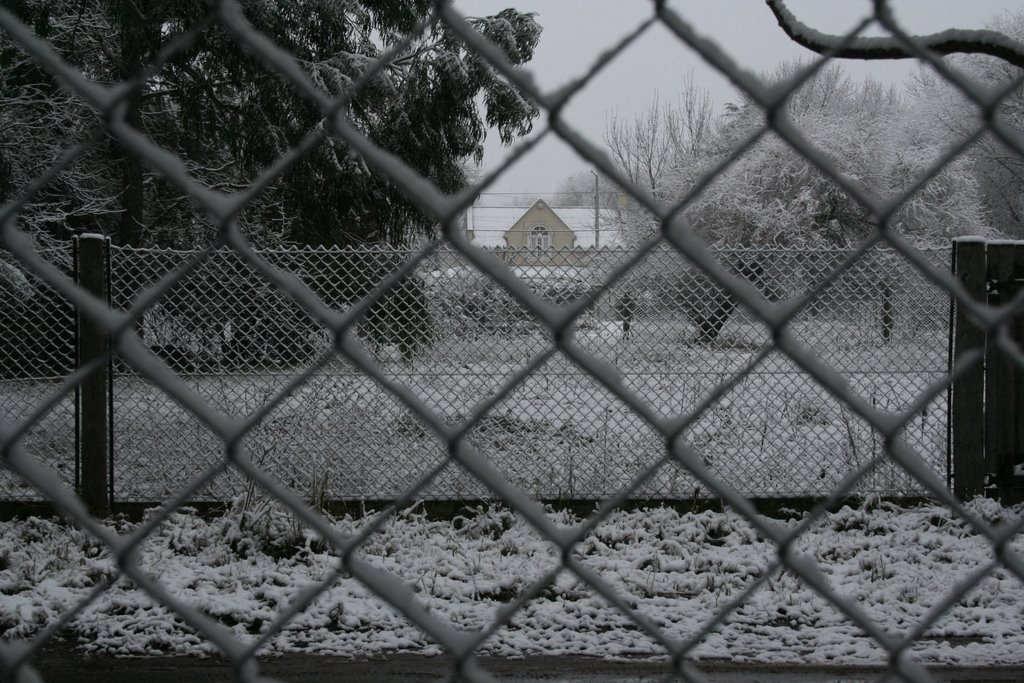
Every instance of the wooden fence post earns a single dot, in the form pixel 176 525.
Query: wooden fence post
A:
pixel 967 413
pixel 94 439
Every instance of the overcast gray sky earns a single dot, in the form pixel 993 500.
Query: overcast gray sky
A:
pixel 577 31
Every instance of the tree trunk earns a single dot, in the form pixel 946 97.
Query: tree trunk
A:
pixel 131 230
pixel 138 41
pixel 710 324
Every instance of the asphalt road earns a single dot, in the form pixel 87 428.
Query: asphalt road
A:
pixel 60 664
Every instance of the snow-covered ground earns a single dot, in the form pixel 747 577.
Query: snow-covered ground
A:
pixel 676 569
pixel 559 434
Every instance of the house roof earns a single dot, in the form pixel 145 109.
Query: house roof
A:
pixel 489 223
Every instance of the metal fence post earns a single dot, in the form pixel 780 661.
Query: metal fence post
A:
pixel 94 439
pixel 967 417
pixel 1004 396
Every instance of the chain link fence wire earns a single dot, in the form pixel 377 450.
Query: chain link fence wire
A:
pixel 37 351
pixel 747 357
pixel 454 339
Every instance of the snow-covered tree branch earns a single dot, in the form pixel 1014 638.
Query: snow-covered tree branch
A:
pixel 953 41
pixel 771 195
pixel 991 58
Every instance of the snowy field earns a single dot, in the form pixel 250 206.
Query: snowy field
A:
pixel 676 569
pixel 557 435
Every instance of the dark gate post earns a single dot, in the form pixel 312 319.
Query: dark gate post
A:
pixel 94 440
pixel 1004 395
pixel 967 414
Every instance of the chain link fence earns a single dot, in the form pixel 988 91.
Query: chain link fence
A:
pixel 37 352
pixel 452 337
pixel 728 370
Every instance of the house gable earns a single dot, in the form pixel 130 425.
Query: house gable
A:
pixel 538 219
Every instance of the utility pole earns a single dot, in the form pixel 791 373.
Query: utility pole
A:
pixel 597 214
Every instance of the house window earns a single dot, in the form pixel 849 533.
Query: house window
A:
pixel 540 239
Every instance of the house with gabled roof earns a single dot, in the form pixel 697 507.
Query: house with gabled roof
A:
pixel 540 229
pixel 542 234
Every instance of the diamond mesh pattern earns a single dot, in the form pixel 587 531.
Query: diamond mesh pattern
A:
pixel 31 373
pixel 238 342
pixel 705 428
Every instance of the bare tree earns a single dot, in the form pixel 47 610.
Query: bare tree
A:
pixel 694 122
pixel 641 147
pixel 663 150
pixel 578 190
pixel 667 139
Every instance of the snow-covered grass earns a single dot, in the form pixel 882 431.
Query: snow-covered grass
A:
pixel 677 569
pixel 52 437
pixel 559 434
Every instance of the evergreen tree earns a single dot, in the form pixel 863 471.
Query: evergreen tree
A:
pixel 229 117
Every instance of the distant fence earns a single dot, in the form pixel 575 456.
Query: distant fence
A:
pixel 450 334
